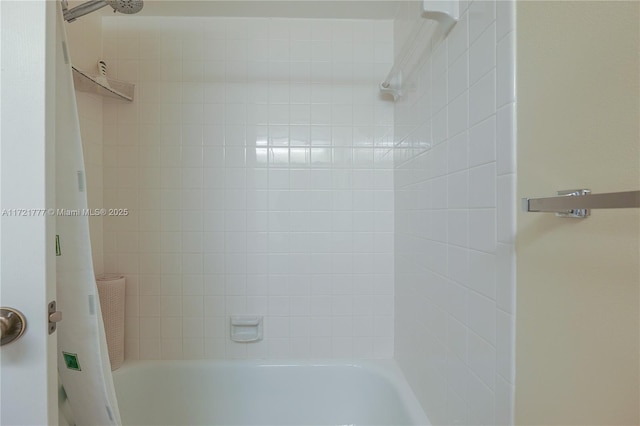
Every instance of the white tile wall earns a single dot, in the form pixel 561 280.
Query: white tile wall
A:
pixel 455 218
pixel 256 163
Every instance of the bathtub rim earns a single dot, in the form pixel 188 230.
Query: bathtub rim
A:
pixel 387 369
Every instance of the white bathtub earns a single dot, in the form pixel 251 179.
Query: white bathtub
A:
pixel 265 393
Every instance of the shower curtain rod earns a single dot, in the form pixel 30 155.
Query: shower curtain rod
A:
pixel 397 65
pixel 446 14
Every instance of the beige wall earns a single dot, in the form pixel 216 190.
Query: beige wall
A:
pixel 577 304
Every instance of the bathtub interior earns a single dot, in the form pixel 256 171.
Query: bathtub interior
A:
pixel 258 393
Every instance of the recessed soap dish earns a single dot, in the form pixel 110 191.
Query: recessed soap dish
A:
pixel 246 328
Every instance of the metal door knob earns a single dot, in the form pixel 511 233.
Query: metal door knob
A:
pixel 12 325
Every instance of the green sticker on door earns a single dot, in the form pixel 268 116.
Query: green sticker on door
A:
pixel 72 361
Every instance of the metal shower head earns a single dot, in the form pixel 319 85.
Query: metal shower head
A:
pixel 126 6
pixel 122 6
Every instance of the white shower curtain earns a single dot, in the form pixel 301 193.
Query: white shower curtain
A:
pixel 83 361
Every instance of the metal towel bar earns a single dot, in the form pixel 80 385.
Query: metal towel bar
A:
pixel 579 202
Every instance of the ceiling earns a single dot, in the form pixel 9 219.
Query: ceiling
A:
pixel 344 9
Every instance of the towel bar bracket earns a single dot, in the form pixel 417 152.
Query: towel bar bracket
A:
pixel 575 213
